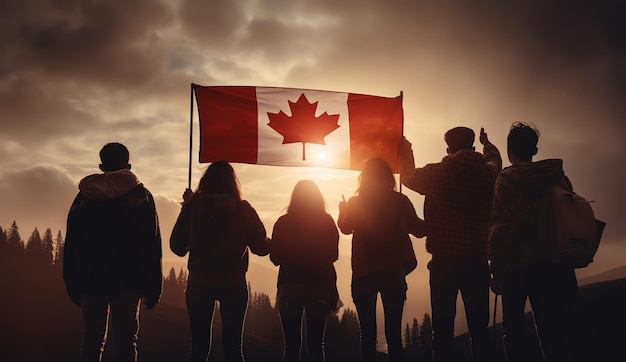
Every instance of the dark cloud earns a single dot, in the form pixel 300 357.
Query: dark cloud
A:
pixel 111 42
pixel 212 22
pixel 34 109
pixel 39 196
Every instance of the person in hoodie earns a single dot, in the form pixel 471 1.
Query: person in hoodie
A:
pixel 112 255
pixel 305 244
pixel 520 270
pixel 457 206
pixel 217 228
pixel 380 220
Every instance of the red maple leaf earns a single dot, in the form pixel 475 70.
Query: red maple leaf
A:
pixel 303 126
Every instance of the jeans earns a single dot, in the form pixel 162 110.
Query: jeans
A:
pixel 314 303
pixel 392 287
pixel 201 300
pixel 122 308
pixel 551 290
pixel 470 277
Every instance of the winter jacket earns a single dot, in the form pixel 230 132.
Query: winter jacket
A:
pixel 381 231
pixel 458 197
pixel 511 237
pixel 217 230
pixel 113 241
pixel 305 247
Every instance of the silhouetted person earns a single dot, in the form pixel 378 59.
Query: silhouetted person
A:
pixel 217 227
pixel 457 205
pixel 520 269
pixel 380 220
pixel 305 246
pixel 112 256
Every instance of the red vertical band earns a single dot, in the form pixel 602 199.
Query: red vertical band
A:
pixel 228 124
pixel 375 129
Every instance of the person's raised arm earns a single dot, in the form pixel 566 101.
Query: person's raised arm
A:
pixel 492 155
pixel 345 221
pixel 414 224
pixel 416 179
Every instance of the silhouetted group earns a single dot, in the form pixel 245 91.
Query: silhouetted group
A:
pixel 477 224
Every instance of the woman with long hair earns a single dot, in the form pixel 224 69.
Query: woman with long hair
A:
pixel 380 220
pixel 217 228
pixel 305 246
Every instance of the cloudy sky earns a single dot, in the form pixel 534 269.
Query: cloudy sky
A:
pixel 75 75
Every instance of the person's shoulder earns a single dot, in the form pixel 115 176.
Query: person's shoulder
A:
pixel 400 196
pixel 327 217
pixel 283 219
pixel 509 172
pixel 435 165
pixel 247 207
pixel 142 189
pixel 514 174
pixel 403 200
pixel 139 191
pixel 355 199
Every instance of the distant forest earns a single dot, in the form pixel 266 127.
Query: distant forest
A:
pixel 39 322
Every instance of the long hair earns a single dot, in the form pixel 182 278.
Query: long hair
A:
pixel 376 176
pixel 306 197
pixel 220 178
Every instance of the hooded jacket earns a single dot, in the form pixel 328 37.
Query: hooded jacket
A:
pixel 217 230
pixel 381 229
pixel 458 197
pixel 113 241
pixel 513 229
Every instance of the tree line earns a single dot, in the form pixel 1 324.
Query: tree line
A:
pixel 39 262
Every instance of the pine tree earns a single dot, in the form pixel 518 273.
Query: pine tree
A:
pixel 16 245
pixel 4 242
pixel 181 281
pixel 411 334
pixel 33 253
pixel 59 250
pixel 168 295
pixel 426 338
pixel 415 333
pixel 181 286
pixel 262 319
pixel 34 244
pixel 47 248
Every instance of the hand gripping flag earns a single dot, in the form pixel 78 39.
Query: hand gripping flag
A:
pixel 297 127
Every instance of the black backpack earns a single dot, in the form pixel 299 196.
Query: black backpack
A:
pixel 566 227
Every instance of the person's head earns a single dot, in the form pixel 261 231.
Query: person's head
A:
pixel 306 197
pixel 114 156
pixel 376 177
pixel 459 138
pixel 220 178
pixel 522 142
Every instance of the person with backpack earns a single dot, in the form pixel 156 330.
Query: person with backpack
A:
pixel 305 244
pixel 522 262
pixel 380 220
pixel 112 255
pixel 217 228
pixel 457 205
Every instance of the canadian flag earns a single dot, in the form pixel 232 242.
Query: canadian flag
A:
pixel 297 127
